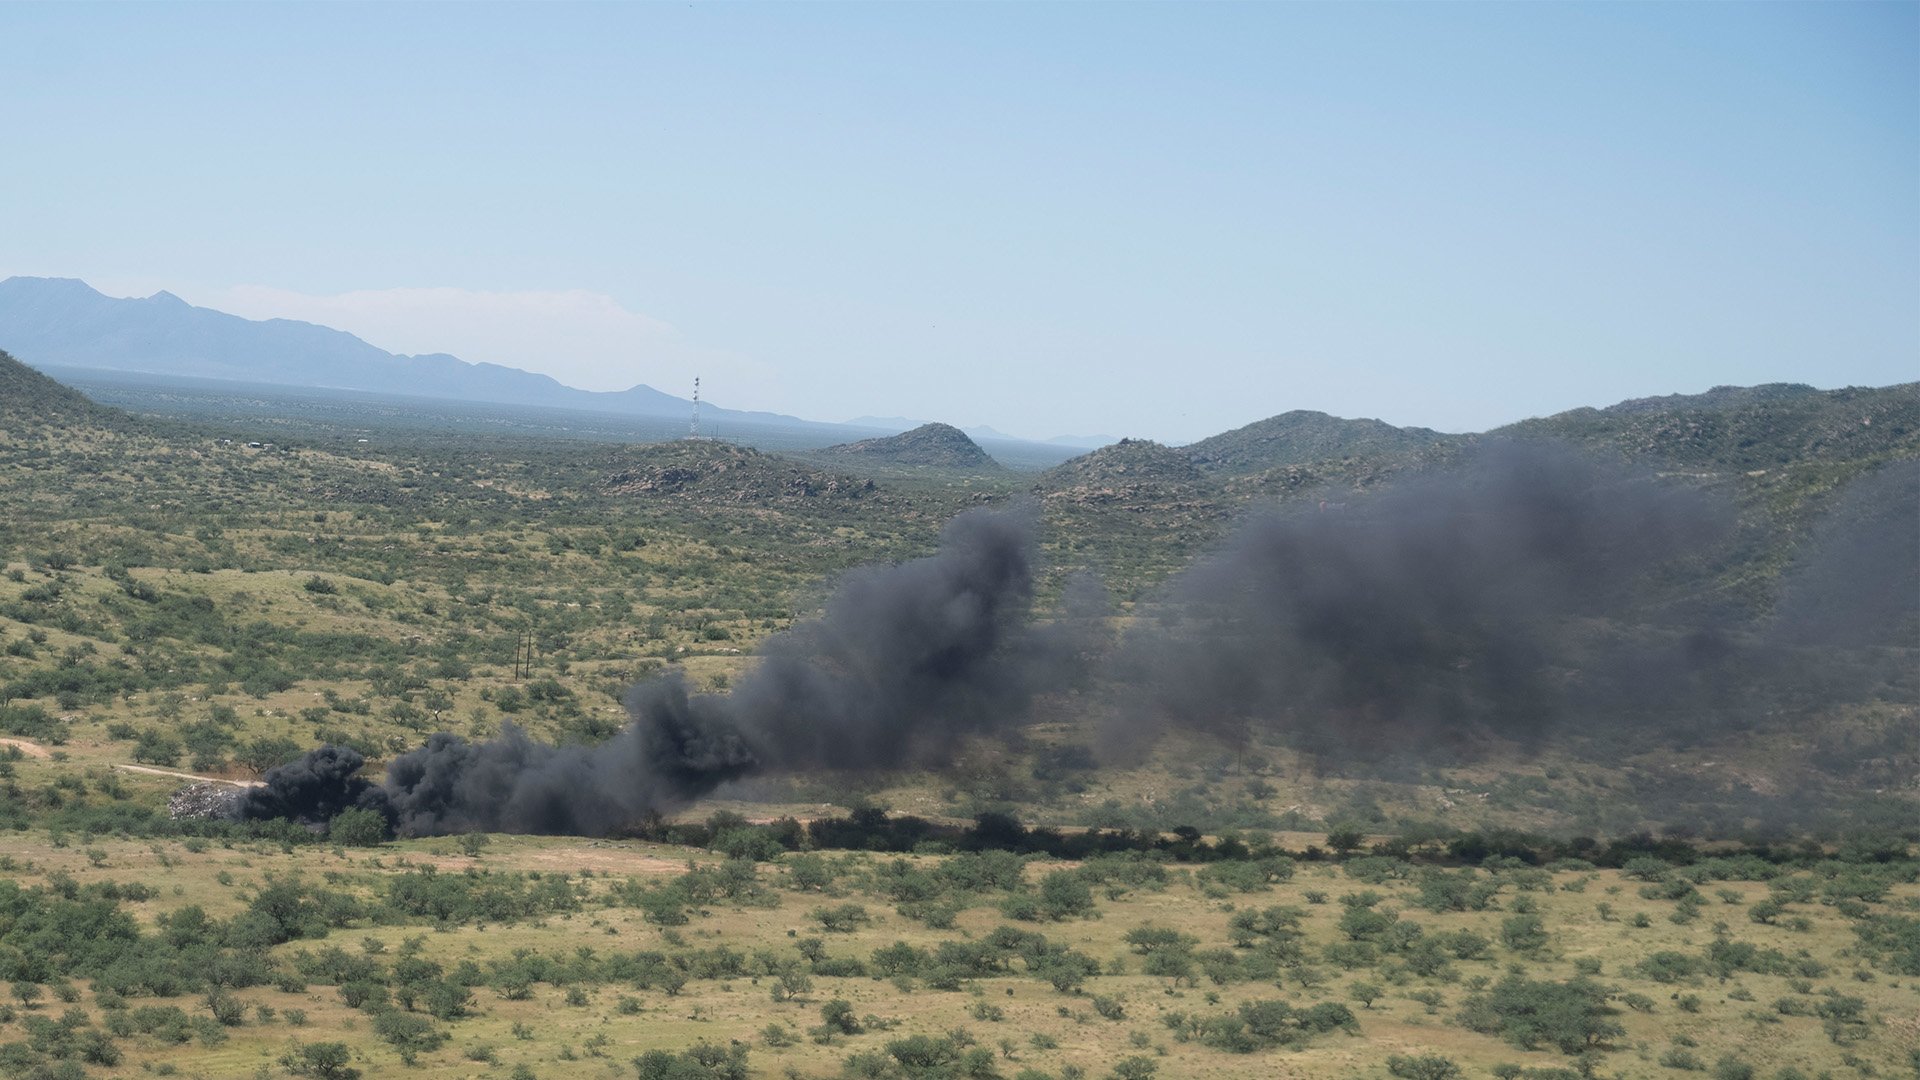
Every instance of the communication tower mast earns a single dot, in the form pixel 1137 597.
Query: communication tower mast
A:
pixel 693 426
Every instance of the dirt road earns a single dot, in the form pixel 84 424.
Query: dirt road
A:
pixel 151 771
pixel 35 750
pixel 32 750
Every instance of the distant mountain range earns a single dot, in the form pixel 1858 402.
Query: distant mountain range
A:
pixel 63 322
pixel 66 323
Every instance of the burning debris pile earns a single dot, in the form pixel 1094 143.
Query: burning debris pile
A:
pixel 204 802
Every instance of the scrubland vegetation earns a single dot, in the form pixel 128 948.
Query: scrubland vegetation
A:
pixel 764 954
pixel 177 600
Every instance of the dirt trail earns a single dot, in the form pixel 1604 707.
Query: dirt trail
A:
pixel 31 749
pixel 35 750
pixel 151 771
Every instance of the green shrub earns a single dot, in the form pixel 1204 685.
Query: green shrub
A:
pixel 1572 1016
pixel 1424 1067
pixel 358 827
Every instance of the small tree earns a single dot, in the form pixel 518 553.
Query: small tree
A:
pixel 408 1034
pixel 1346 838
pixel 842 918
pixel 447 1000
pixel 267 751
pixel 1065 895
pixel 1523 933
pixel 1365 993
pixel 321 1061
pixel 837 1016
pixel 156 747
pixel 792 983
pixel 357 827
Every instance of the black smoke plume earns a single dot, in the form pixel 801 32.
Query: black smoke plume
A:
pixel 1521 592
pixel 904 662
pixel 1857 583
pixel 1453 606
pixel 516 784
pixel 314 789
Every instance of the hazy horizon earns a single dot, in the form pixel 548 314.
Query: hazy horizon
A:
pixel 1161 221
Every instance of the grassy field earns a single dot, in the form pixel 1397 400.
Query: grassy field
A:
pixel 583 967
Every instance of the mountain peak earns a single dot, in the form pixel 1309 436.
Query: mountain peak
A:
pixel 167 299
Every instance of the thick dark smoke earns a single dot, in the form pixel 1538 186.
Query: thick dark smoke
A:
pixel 313 789
pixel 1450 607
pixel 1524 591
pixel 904 662
pixel 1858 581
pixel 516 784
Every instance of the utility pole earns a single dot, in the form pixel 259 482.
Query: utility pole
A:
pixel 523 645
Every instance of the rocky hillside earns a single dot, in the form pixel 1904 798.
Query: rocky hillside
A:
pixel 936 446
pixel 1745 429
pixel 1302 436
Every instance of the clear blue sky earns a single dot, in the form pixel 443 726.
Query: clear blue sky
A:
pixel 1122 218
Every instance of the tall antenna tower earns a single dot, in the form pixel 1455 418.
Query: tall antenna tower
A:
pixel 693 426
